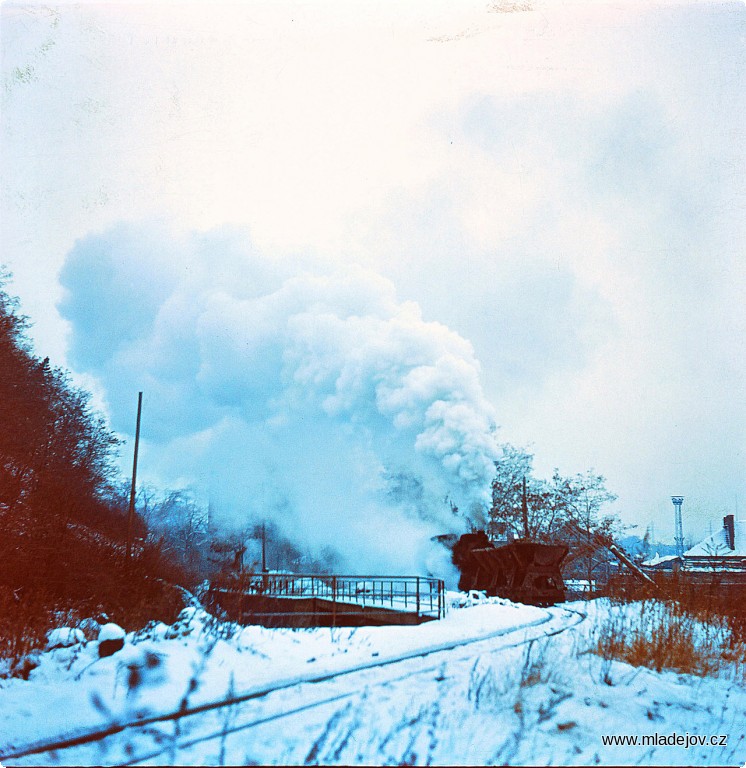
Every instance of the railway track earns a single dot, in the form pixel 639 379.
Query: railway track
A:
pixel 328 689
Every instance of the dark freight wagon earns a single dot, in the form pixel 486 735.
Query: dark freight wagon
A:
pixel 523 571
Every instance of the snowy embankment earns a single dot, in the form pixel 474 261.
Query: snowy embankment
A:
pixel 499 700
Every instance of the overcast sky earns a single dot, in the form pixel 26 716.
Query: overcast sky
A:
pixel 555 190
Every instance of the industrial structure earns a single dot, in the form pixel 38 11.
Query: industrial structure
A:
pixel 678 524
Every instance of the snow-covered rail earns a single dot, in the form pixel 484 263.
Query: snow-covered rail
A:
pixel 430 660
pixel 335 685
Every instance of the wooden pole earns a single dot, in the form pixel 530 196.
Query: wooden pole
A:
pixel 264 548
pixel 524 510
pixel 131 515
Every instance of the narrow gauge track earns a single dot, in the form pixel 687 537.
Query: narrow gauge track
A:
pixel 559 620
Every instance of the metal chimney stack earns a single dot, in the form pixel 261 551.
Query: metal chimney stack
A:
pixel 679 535
pixel 729 523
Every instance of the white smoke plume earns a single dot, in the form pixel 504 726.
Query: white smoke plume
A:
pixel 309 396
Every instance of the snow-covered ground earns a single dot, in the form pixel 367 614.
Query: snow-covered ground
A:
pixel 524 691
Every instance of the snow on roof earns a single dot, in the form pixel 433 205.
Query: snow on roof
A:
pixel 658 559
pixel 717 546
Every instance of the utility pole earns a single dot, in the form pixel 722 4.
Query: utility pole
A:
pixel 264 547
pixel 131 515
pixel 524 510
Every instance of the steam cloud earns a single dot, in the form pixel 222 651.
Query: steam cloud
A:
pixel 303 394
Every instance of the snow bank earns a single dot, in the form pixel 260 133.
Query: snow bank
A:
pixel 548 701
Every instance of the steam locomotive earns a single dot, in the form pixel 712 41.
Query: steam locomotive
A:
pixel 523 571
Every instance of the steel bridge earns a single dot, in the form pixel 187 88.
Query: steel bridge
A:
pixel 307 600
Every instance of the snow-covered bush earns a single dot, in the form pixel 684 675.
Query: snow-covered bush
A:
pixel 111 631
pixel 183 626
pixel 110 639
pixel 64 637
pixel 153 630
pixel 26 665
pixel 90 628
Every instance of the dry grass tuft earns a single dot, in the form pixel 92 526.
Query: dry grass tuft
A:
pixel 662 634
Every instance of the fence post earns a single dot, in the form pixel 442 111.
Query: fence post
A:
pixel 418 596
pixel 334 601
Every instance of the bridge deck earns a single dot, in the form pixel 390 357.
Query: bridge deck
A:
pixel 323 600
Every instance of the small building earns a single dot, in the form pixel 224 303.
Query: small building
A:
pixel 725 550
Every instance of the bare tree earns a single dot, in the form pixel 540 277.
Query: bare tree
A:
pixel 570 510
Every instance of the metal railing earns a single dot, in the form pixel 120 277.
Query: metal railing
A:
pixel 418 595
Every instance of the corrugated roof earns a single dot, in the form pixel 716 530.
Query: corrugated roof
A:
pixel 717 546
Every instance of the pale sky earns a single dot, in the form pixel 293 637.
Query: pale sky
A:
pixel 559 184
